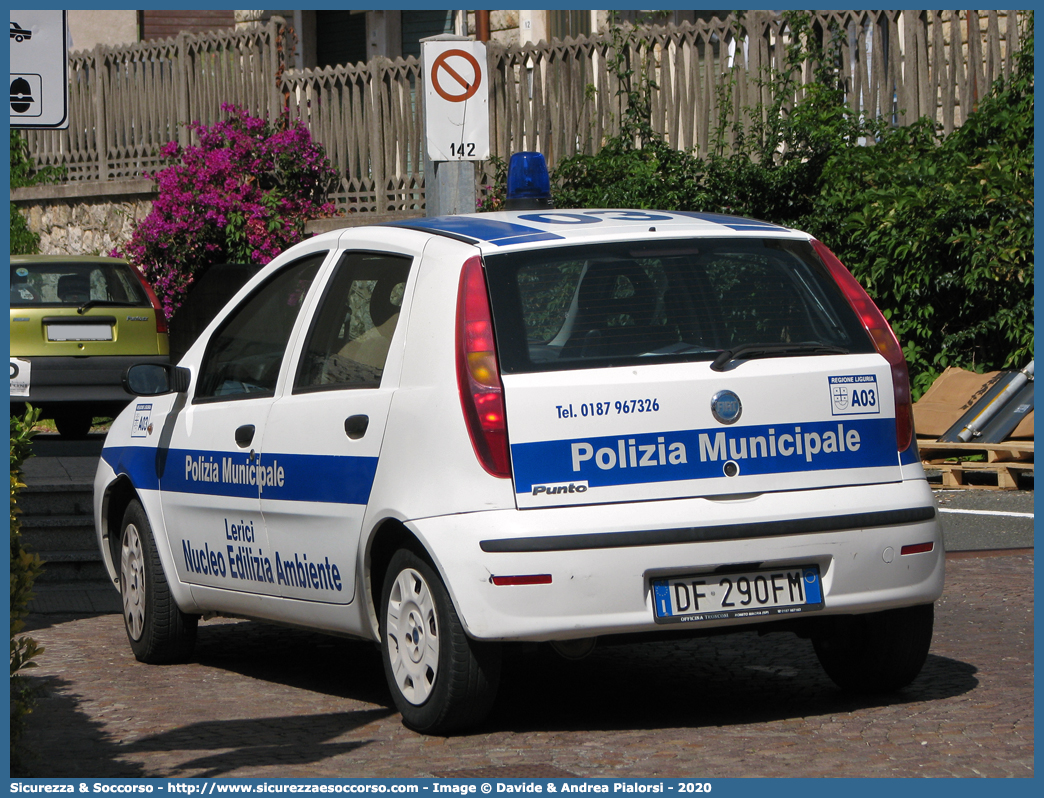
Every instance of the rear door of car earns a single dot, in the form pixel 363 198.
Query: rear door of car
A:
pixel 620 383
pixel 326 431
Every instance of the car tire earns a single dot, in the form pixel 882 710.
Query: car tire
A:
pixel 876 653
pixel 73 424
pixel 158 631
pixel 441 680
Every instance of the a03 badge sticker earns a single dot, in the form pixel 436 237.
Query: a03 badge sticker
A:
pixel 854 394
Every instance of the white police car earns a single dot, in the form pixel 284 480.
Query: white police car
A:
pixel 455 433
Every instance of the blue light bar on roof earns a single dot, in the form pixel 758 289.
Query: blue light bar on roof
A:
pixel 528 183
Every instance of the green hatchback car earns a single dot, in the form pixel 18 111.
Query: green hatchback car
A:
pixel 77 323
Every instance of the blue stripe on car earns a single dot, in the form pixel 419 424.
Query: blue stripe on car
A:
pixel 731 222
pixel 332 479
pixel 479 229
pixel 671 456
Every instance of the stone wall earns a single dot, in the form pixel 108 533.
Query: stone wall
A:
pixel 85 218
pixel 88 218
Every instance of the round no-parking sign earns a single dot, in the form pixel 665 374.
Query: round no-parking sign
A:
pixel 456 100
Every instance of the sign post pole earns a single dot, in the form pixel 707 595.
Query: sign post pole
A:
pixel 456 121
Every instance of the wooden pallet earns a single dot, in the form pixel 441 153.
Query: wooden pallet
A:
pixel 1008 451
pixel 1004 462
pixel 1005 475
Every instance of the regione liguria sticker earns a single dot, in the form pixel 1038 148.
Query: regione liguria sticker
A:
pixel 852 395
pixel 141 426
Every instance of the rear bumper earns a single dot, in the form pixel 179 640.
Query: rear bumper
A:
pixel 602 585
pixel 89 380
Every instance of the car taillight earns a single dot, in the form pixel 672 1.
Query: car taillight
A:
pixel 884 339
pixel 478 375
pixel 161 318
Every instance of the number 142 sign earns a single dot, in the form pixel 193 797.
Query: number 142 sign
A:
pixel 456 100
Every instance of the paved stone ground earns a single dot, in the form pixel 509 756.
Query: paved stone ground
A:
pixel 260 701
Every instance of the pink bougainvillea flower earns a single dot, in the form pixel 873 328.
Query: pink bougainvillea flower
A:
pixel 243 193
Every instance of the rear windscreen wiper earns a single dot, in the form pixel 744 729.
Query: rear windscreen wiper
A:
pixel 108 303
pixel 751 351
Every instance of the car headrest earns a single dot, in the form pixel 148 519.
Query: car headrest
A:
pixel 381 306
pixel 599 291
pixel 74 288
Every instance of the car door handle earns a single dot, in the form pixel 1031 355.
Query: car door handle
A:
pixel 355 426
pixel 244 435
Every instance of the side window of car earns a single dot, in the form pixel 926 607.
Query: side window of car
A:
pixel 348 343
pixel 245 353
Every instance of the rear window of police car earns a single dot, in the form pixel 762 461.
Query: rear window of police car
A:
pixel 625 303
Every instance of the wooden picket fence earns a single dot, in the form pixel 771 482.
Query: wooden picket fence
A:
pixel 559 98
pixel 127 102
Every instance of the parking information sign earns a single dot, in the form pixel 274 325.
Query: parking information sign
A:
pixel 456 100
pixel 39 69
pixel 20 376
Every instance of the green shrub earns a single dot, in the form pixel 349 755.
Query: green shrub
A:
pixel 623 176
pixel 25 567
pixel 23 240
pixel 491 197
pixel 772 170
pixel 24 173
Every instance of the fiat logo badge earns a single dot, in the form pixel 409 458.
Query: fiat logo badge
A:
pixel 726 407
